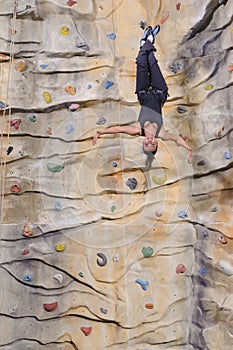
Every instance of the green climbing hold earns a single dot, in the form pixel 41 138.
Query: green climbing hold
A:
pixel 32 118
pixel 81 274
pixel 55 168
pixel 113 208
pixel 147 251
pixel 214 209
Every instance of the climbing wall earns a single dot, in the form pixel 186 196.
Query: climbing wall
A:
pixel 96 252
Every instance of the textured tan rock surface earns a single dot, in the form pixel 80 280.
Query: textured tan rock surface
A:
pixel 86 262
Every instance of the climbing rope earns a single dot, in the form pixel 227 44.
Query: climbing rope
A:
pixel 147 12
pixel 8 87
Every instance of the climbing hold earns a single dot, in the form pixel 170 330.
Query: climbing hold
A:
pixel 101 121
pixel 15 187
pixel 178 6
pixel 214 209
pixel 147 252
pixel 44 66
pixel 58 277
pixel 64 30
pixel 89 86
pixel 143 284
pixel 3 105
pixel 227 155
pixel 104 311
pixel 230 68
pixel 55 168
pixel 222 239
pixel 81 274
pixel 209 87
pixel 158 213
pixel 25 252
pixel 183 214
pixel 58 206
pixel 116 257
pixel 202 162
pixel 108 84
pixel 71 2
pixel 164 17
pixel 111 36
pixel 15 123
pixel 51 306
pixel 27 278
pixel 70 89
pixel 113 208
pixel 86 330
pixel 27 232
pixel 175 67
pixel 69 128
pixel 47 96
pixel 205 233
pixel 60 247
pixel 159 180
pixel 180 268
pixel 103 259
pixel 73 107
pixel 32 118
pixel 20 65
pixel 114 164
pixel 225 267
pixel 149 306
pixel 9 150
pixel 49 130
pixel 182 109
pixel 219 132
pixel 4 58
pixel 202 271
pixel 132 183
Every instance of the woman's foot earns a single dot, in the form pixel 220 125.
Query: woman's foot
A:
pixel 150 34
pixel 147 32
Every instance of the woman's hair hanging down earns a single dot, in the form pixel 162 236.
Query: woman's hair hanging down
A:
pixel 150 158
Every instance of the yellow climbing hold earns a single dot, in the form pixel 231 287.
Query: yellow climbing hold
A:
pixel 60 247
pixel 47 96
pixel 209 87
pixel 159 180
pixel 71 89
pixel 20 65
pixel 64 30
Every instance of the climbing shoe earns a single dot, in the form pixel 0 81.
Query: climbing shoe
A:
pixel 147 32
pixel 155 30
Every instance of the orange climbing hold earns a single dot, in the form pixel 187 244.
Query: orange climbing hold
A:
pixel 164 17
pixel 15 187
pixel 20 65
pixel 70 89
pixel 27 232
pixel 230 68
pixel 4 57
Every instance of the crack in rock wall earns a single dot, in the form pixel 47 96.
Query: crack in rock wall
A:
pixel 97 252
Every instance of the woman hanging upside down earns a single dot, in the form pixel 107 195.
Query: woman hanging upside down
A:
pixel 152 92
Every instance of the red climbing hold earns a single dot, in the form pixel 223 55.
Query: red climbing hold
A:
pixel 15 187
pixel 178 6
pixel 25 251
pixel 50 307
pixel 164 17
pixel 71 3
pixel 230 68
pixel 180 268
pixel 15 123
pixel 86 330
pixel 222 239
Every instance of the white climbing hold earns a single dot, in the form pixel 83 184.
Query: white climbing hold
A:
pixel 58 277
pixel 225 267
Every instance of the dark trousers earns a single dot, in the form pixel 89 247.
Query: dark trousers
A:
pixel 151 88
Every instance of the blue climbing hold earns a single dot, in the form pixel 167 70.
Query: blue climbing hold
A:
pixel 111 36
pixel 2 105
pixel 104 311
pixel 227 155
pixel 89 86
pixel 58 206
pixel 132 183
pixel 202 271
pixel 43 66
pixel 143 284
pixel 108 84
pixel 183 214
pixel 205 233
pixel 9 150
pixel 27 278
pixel 114 164
pixel 101 121
pixel 69 128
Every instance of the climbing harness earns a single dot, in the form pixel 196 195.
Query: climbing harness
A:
pixel 7 98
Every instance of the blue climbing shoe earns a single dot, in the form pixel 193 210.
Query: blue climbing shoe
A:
pixel 147 32
pixel 155 30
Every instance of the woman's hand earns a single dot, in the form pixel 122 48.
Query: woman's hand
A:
pixel 181 142
pixel 94 140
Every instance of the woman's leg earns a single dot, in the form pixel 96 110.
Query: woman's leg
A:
pixel 143 72
pixel 156 76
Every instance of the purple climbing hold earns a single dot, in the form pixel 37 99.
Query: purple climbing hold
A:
pixel 27 278
pixel 143 284
pixel 227 155
pixel 58 206
pixel 73 107
pixel 183 214
pixel 101 121
pixel 108 84
pixel 181 109
pixel 111 36
pixel 69 128
pixel 114 164
pixel 89 86
pixel 104 311
pixel 9 150
pixel 205 233
pixel 103 259
pixel 131 183
pixel 202 162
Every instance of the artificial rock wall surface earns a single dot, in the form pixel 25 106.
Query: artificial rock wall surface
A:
pixel 87 261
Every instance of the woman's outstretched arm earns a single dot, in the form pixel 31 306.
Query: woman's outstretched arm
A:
pixel 126 129
pixel 167 136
